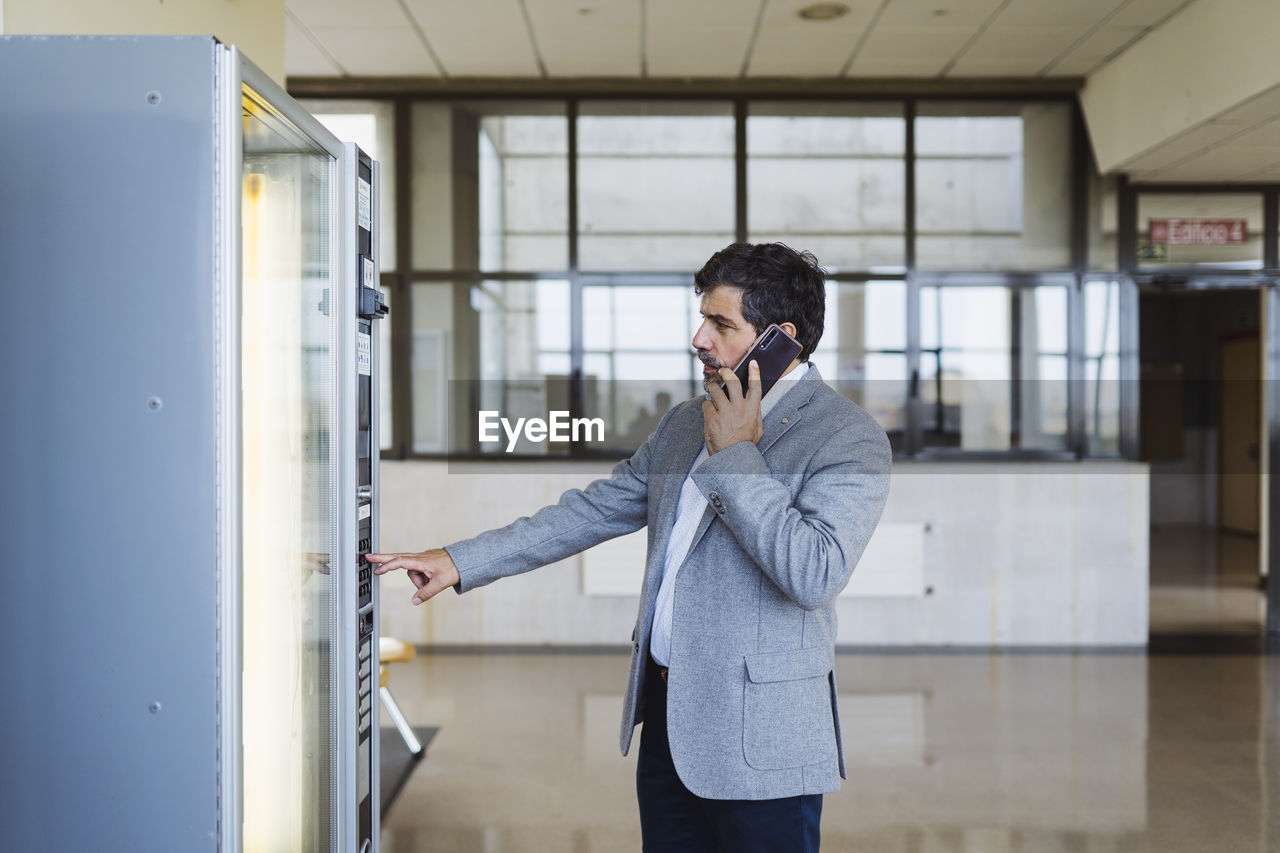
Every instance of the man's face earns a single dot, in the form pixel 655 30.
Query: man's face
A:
pixel 724 336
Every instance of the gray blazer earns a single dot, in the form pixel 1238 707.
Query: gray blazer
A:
pixel 751 701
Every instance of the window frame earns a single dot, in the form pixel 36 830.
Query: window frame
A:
pixel 1126 271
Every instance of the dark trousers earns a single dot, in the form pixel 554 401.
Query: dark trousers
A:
pixel 674 819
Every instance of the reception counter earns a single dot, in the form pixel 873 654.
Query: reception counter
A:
pixel 979 554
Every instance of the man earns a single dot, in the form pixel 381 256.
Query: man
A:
pixel 758 510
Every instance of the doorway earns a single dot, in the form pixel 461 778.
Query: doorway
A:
pixel 1200 410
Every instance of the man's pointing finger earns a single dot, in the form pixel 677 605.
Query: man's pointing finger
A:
pixel 387 561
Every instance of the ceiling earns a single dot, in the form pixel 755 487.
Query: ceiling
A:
pixel 711 38
pixel 943 41
pixel 1240 145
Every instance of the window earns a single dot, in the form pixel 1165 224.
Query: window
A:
pixel 655 184
pixel 993 186
pixel 523 163
pixel 863 349
pixel 829 178
pixel 371 125
pixel 553 241
pixel 1102 367
pixel 994 367
pixel 490 186
pixel 638 356
pixel 493 346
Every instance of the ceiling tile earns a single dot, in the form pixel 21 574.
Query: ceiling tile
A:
pixel 789 46
pixel 377 52
pixel 898 66
pixel 1138 18
pixel 1095 50
pixel 1075 65
pixel 1256 109
pixel 346 13
pixel 301 57
pixel 1079 15
pixel 964 14
pixel 890 41
pixel 1148 13
pixel 1038 43
pixel 1012 52
pixel 478 38
pixel 1244 157
pixel 1222 170
pixel 996 67
pixel 926 49
pixel 1186 144
pixel 604 42
pixel 708 38
pixel 1264 138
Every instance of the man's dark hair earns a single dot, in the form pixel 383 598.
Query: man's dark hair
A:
pixel 778 285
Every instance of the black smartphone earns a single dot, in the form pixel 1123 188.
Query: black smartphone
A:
pixel 773 350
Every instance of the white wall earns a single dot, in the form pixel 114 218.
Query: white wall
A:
pixel 257 27
pixel 1015 554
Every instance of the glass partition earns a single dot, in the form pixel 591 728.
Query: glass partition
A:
pixel 288 410
pixel 659 185
pixel 863 350
pixel 1102 366
pixel 638 357
pixel 655 184
pixel 371 125
pixel 490 346
pixel 522 173
pixel 829 178
pixel 994 367
pixel 993 186
pixel 523 367
pixel 489 182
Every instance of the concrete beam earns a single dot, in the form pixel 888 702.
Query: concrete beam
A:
pixel 1210 57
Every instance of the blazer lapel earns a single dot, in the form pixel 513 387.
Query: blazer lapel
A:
pixel 789 410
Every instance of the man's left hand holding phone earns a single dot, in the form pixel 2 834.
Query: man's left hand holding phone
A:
pixel 728 417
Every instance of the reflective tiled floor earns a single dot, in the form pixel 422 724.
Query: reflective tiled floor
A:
pixel 1203 581
pixel 954 753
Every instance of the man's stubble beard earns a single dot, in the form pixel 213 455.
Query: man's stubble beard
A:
pixel 714 379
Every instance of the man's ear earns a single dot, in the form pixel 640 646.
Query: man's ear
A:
pixel 788 327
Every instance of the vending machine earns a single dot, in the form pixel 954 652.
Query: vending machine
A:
pixel 189 268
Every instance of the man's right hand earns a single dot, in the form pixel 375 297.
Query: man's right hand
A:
pixel 431 571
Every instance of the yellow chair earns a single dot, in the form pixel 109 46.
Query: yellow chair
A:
pixel 391 650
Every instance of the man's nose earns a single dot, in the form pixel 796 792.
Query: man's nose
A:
pixel 700 338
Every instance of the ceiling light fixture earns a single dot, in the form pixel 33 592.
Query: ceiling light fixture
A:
pixel 823 11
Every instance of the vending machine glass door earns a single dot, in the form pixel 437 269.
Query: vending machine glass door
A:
pixel 288 421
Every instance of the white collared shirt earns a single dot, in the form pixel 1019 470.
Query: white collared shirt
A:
pixel 689 513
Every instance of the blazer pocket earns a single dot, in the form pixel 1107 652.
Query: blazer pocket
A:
pixel 786 715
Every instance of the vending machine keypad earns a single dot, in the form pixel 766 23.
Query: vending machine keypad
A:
pixel 370 307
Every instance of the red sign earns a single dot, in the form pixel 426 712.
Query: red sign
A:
pixel 1200 232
